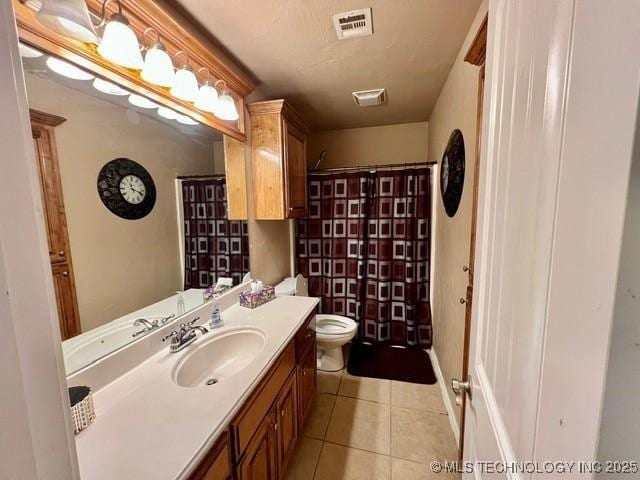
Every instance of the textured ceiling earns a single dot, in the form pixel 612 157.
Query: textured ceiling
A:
pixel 292 49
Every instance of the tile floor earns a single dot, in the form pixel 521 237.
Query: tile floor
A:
pixel 369 429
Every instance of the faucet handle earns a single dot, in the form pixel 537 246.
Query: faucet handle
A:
pixel 173 335
pixel 189 324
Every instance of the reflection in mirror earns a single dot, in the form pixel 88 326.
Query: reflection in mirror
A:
pixel 135 208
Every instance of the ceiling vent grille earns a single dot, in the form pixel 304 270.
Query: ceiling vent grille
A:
pixel 370 98
pixel 356 23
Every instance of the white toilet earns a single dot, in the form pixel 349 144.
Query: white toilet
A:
pixel 332 331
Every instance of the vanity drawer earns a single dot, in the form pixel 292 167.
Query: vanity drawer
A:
pixel 245 424
pixel 306 335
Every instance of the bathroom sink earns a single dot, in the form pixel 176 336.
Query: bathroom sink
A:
pixel 213 360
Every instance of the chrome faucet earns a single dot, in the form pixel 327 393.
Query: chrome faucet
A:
pixel 184 336
pixel 148 326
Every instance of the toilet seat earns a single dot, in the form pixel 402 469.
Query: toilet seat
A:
pixel 331 325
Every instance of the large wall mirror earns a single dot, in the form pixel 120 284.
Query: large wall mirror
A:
pixel 135 207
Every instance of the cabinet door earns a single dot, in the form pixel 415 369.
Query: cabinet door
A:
pixel 217 464
pixel 306 383
pixel 295 171
pixel 66 299
pixel 259 462
pixel 52 201
pixel 287 421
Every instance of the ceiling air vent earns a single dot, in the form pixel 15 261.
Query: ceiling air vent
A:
pixel 370 98
pixel 356 23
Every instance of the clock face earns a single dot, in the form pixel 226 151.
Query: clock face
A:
pixel 126 189
pixel 132 189
pixel 452 173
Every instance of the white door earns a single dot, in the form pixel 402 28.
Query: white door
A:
pixel 561 94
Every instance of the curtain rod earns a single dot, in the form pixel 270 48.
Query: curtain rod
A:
pixel 390 166
pixel 200 177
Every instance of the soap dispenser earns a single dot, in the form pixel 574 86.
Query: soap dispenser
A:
pixel 216 317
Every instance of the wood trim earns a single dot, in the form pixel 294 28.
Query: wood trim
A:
pixel 478 49
pixel 142 14
pixel 280 106
pixel 44 118
pixel 472 254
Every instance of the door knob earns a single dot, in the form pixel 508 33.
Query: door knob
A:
pixel 461 388
pixel 463 300
pixel 466 269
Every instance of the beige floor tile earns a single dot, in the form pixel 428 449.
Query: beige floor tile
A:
pixel 421 436
pixel 406 470
pixel 342 463
pixel 328 382
pixel 372 389
pixel 304 460
pixel 360 424
pixel 427 398
pixel 318 419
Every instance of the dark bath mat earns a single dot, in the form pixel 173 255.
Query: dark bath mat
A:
pixel 391 363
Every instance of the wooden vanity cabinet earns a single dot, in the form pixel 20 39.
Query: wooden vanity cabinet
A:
pixel 279 161
pixel 260 460
pixel 217 465
pixel 262 436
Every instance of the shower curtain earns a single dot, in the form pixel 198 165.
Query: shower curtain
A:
pixel 365 247
pixel 214 246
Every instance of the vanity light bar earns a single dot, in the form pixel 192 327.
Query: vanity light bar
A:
pixel 119 45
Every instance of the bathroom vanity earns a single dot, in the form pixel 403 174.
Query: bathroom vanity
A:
pixel 231 405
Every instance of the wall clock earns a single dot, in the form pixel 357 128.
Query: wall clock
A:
pixel 452 173
pixel 126 189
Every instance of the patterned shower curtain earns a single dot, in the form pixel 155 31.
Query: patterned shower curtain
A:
pixel 214 246
pixel 365 249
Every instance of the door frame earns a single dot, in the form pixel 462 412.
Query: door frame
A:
pixel 476 55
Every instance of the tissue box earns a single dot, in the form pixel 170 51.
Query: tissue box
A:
pixel 253 300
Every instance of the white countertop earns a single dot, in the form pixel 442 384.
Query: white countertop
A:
pixel 148 427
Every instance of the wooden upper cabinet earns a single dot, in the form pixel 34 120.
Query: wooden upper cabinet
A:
pixel 279 160
pixel 236 175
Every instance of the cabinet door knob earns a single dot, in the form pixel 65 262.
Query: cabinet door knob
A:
pixel 275 426
pixel 463 301
pixel 282 412
pixel 61 253
pixel 466 269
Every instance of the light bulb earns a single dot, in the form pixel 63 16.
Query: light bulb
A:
pixel 185 86
pixel 142 102
pixel 207 98
pixel 69 18
pixel 226 108
pixel 67 70
pixel 185 120
pixel 119 44
pixel 108 87
pixel 158 67
pixel 167 113
pixel 29 52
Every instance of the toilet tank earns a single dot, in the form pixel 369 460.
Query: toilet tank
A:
pixel 293 286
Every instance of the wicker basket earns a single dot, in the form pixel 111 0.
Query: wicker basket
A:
pixel 82 411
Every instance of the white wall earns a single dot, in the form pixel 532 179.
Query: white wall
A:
pixel 36 439
pixel 456 107
pixel 620 427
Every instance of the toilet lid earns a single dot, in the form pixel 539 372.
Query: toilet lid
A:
pixel 334 325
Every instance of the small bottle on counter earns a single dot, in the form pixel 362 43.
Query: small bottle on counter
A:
pixel 216 318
